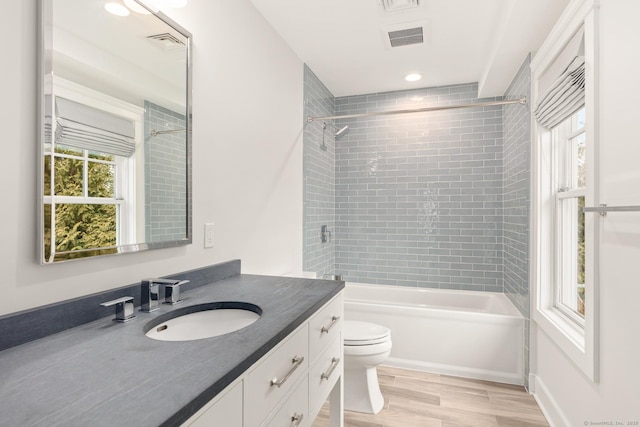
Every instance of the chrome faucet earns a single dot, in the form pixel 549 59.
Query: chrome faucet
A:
pixel 150 293
pixel 172 291
pixel 124 308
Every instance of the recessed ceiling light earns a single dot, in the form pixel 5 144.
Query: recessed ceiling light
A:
pixel 135 7
pixel 116 9
pixel 413 77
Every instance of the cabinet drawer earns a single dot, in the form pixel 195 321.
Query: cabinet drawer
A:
pixel 284 366
pixel 324 373
pixel 227 410
pixel 295 409
pixel 325 325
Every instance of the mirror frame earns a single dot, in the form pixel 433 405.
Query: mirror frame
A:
pixel 45 88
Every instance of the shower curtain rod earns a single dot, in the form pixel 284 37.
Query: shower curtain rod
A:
pixel 162 132
pixel 522 101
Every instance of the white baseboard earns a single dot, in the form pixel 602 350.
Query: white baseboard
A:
pixel 531 384
pixel 550 408
pixel 457 371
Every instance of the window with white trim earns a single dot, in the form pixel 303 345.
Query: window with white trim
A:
pixel 564 241
pixel 84 200
pixel 81 203
pixel 89 199
pixel 569 179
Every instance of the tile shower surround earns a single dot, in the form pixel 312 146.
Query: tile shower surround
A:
pixel 165 175
pixel 517 131
pixel 319 178
pixel 391 194
pixel 517 138
pixel 419 197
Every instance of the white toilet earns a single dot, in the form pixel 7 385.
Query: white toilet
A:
pixel 366 345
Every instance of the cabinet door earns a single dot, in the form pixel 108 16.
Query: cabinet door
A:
pixel 273 377
pixel 225 412
pixel 324 374
pixel 325 325
pixel 295 409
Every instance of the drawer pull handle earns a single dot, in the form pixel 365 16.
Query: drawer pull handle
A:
pixel 296 419
pixel 297 361
pixel 334 363
pixel 326 329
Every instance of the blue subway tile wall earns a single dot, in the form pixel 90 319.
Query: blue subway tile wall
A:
pixel 517 130
pixel 517 139
pixel 419 196
pixel 319 176
pixel 165 175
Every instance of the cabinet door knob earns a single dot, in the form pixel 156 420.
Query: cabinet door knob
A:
pixel 297 361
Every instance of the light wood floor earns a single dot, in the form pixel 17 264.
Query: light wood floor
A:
pixel 422 399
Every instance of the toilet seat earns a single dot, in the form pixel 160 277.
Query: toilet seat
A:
pixel 358 333
pixel 367 350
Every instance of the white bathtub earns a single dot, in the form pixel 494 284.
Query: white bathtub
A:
pixel 463 333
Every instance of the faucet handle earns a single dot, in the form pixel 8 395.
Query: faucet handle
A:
pixel 172 292
pixel 150 294
pixel 124 308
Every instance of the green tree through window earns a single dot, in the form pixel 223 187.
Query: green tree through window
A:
pixel 81 226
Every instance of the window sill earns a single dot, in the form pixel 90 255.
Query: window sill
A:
pixel 569 337
pixel 553 322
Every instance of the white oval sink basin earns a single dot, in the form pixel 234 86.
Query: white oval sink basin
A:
pixel 203 321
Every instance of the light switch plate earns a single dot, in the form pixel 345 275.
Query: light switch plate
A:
pixel 208 235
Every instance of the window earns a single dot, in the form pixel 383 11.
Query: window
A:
pixel 563 261
pixel 565 233
pixel 83 200
pixel 90 192
pixel 564 241
pixel 568 142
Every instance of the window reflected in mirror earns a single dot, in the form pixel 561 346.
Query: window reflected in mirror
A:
pixel 115 143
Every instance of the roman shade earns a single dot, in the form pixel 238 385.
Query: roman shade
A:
pixel 561 88
pixel 81 126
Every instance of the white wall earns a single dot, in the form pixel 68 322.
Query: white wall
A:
pixel 247 158
pixel 570 399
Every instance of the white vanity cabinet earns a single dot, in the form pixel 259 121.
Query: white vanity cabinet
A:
pixel 288 386
pixel 224 410
pixel 323 375
pixel 293 412
pixel 269 380
pixel 326 353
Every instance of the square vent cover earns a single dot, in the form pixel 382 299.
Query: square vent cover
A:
pixel 166 41
pixel 406 37
pixel 392 5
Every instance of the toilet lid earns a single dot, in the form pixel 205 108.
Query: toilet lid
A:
pixel 360 333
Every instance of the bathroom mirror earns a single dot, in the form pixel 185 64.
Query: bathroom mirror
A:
pixel 114 168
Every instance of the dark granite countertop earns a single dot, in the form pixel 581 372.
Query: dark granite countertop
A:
pixel 105 373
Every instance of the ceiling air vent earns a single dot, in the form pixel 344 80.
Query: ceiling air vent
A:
pixel 406 37
pixel 166 40
pixel 392 5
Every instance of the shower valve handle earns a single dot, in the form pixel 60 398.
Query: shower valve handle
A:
pixel 325 234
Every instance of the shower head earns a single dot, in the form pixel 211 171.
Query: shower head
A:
pixel 341 131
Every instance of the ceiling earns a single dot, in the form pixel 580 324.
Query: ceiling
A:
pixel 118 56
pixel 345 42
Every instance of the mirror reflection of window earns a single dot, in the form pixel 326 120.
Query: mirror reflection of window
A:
pixel 82 177
pixel 89 173
pixel 116 115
